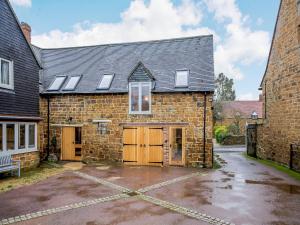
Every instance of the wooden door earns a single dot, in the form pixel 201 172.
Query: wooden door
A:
pixel 130 145
pixel 71 143
pixel 143 146
pixel 155 146
pixel 177 146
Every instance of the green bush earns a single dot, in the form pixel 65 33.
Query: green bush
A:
pixel 221 132
pixel 233 129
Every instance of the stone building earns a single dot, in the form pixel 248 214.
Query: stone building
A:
pixel 143 103
pixel 240 113
pixel 281 88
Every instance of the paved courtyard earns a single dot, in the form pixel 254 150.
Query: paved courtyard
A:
pixel 241 192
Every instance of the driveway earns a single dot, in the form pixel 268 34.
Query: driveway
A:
pixel 241 192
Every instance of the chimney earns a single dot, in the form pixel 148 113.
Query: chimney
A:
pixel 27 31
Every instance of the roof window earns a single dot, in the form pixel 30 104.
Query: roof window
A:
pixel 106 81
pixel 57 83
pixel 72 83
pixel 181 79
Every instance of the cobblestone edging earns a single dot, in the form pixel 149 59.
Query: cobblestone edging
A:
pixel 185 211
pixel 103 182
pixel 48 212
pixel 168 182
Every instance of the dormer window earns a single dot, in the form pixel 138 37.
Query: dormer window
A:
pixel 181 79
pixel 6 74
pixel 140 97
pixel 57 83
pixel 72 83
pixel 106 81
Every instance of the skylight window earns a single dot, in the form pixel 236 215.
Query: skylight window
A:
pixel 181 79
pixel 56 84
pixel 72 83
pixel 106 81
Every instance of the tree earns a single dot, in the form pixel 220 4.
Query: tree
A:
pixel 224 92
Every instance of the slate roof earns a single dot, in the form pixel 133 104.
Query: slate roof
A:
pixel 161 58
pixel 245 108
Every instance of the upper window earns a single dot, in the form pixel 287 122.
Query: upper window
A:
pixel 140 98
pixel 57 83
pixel 181 79
pixel 72 83
pixel 106 81
pixel 6 74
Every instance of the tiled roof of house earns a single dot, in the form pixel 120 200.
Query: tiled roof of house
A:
pixel 161 58
pixel 245 108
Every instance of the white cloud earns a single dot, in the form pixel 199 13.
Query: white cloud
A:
pixel 241 44
pixel 156 20
pixel 247 96
pixel 24 3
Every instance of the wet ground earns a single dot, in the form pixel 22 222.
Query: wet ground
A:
pixel 241 192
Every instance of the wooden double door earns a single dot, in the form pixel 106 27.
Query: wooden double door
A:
pixel 71 143
pixel 143 146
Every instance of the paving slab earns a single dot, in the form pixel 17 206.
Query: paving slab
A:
pixel 137 177
pixel 242 192
pixel 122 212
pixel 56 191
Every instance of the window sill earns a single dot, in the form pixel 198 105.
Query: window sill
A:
pixel 19 151
pixel 7 90
pixel 140 113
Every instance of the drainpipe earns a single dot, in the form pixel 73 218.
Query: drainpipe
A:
pixel 48 127
pixel 204 131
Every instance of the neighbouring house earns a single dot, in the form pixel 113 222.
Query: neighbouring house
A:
pixel 240 113
pixel 143 103
pixel 19 90
pixel 281 88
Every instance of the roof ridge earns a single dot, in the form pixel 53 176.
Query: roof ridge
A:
pixel 130 43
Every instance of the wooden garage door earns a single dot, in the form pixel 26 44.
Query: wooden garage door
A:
pixel 143 146
pixel 130 145
pixel 155 145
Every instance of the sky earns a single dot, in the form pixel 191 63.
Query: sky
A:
pixel 242 29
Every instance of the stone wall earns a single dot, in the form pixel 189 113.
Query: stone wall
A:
pixel 281 89
pixel 166 108
pixel 28 160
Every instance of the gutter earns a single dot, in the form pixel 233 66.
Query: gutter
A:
pixel 48 127
pixel 204 129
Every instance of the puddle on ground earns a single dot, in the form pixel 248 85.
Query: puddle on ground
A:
pixel 113 178
pixel 43 198
pixel 288 188
pixel 102 167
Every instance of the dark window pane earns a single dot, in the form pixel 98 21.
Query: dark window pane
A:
pixel 10 136
pixel 145 98
pixel 134 99
pixel 31 135
pixel 4 72
pixel 77 135
pixel 1 138
pixel 77 151
pixel 22 136
pixel 177 144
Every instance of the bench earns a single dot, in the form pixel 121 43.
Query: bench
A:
pixel 8 164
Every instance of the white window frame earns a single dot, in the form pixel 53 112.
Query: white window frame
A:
pixel 139 85
pixel 106 88
pixel 16 150
pixel 11 75
pixel 187 78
